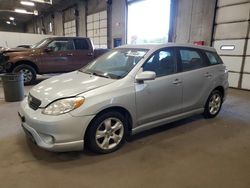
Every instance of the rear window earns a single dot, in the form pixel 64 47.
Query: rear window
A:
pixel 213 58
pixel 81 44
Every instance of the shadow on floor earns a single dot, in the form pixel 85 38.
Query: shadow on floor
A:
pixel 134 143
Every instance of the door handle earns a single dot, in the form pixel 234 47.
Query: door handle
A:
pixel 176 82
pixel 69 54
pixel 208 75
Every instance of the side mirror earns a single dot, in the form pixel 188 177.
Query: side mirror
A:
pixel 48 50
pixel 146 75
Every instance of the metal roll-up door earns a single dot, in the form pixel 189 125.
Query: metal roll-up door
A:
pixel 231 40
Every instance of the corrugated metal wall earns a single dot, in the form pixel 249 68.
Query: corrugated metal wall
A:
pixel 231 40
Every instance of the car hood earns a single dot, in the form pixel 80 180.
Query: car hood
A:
pixel 20 52
pixel 7 50
pixel 67 85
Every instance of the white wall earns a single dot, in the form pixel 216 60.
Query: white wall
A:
pixel 194 21
pixel 118 17
pixel 11 39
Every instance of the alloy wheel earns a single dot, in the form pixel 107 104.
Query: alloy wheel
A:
pixel 214 103
pixel 27 75
pixel 109 133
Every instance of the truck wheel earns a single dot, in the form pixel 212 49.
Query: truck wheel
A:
pixel 107 132
pixel 29 73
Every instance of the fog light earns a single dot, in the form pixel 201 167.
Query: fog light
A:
pixel 48 139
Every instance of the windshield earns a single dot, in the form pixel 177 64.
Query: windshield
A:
pixel 40 43
pixel 116 63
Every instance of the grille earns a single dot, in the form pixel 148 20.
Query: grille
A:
pixel 33 102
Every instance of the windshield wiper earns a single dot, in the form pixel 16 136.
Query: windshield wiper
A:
pixel 84 71
pixel 94 73
pixel 101 75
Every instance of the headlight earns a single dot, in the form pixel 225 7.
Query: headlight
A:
pixel 63 106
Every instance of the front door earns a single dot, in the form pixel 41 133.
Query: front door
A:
pixel 59 57
pixel 162 97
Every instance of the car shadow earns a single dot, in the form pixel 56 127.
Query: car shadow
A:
pixel 134 143
pixel 163 128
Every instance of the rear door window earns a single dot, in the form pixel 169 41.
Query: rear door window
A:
pixel 81 44
pixel 191 59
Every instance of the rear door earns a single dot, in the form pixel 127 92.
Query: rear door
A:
pixel 82 54
pixel 162 97
pixel 197 77
pixel 59 58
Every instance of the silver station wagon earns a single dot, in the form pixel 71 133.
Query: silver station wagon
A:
pixel 127 90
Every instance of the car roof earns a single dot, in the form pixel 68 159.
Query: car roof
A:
pixel 159 46
pixel 67 38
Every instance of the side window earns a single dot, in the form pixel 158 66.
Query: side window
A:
pixel 81 44
pixel 162 63
pixel 191 59
pixel 61 45
pixel 213 58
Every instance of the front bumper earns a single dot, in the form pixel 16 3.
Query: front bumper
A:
pixel 54 133
pixel 4 65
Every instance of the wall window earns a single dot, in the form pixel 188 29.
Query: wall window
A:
pixel 70 28
pixel 50 27
pixel 97 29
pixel 148 21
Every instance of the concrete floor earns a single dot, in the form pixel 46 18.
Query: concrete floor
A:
pixel 187 154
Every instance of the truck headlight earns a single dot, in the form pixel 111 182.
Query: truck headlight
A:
pixel 63 106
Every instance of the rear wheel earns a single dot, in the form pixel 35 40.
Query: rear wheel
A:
pixel 213 104
pixel 107 132
pixel 29 73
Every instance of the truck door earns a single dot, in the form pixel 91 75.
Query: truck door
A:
pixel 57 56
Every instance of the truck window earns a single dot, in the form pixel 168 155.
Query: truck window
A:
pixel 81 44
pixel 61 45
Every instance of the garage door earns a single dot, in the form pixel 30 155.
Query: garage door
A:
pixel 97 29
pixel 231 40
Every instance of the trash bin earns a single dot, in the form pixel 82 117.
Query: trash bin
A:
pixel 13 87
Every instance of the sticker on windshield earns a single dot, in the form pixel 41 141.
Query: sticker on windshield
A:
pixel 136 53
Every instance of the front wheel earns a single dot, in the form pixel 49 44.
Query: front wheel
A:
pixel 213 104
pixel 107 132
pixel 29 73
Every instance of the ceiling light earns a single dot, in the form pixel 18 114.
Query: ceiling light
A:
pixel 43 1
pixel 12 18
pixel 8 22
pixel 28 3
pixel 21 11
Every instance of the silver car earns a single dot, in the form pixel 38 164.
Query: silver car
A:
pixel 127 90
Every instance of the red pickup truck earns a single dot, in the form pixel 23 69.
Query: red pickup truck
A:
pixel 51 55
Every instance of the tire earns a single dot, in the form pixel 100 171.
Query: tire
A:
pixel 112 128
pixel 29 73
pixel 213 104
